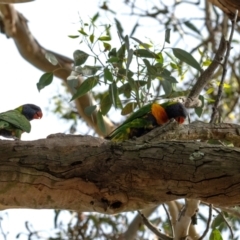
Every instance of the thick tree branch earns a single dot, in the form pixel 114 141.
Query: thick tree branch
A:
pixel 15 1
pixel 228 6
pixel 15 26
pixel 182 226
pixel 91 174
pixel 195 131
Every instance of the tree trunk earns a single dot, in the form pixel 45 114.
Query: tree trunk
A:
pixel 91 174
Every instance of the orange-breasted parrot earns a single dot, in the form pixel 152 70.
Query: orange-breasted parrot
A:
pixel 147 118
pixel 14 122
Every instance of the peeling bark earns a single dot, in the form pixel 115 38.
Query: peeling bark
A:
pixel 85 173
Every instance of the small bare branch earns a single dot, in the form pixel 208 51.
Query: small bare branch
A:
pixel 206 76
pixel 208 223
pixel 133 227
pixel 169 219
pixel 233 211
pixel 148 224
pixel 220 88
pixel 226 221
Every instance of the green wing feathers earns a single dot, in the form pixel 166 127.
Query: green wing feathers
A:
pixel 147 118
pixel 14 119
pixel 14 122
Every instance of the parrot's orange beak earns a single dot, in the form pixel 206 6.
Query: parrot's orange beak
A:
pixel 38 115
pixel 180 120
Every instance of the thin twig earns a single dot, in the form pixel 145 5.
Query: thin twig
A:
pixel 206 76
pixel 225 220
pixel 154 229
pixel 169 219
pixel 220 88
pixel 208 222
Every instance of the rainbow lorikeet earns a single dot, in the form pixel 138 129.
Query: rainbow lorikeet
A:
pixel 14 122
pixel 147 118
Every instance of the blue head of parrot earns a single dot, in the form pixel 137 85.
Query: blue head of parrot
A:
pixel 31 111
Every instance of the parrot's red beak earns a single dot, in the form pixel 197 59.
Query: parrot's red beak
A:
pixel 38 115
pixel 180 120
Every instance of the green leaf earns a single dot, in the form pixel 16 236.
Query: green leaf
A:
pixel 119 28
pixel 192 27
pixel 113 59
pixel 107 46
pixel 51 58
pixel 218 220
pixel 100 122
pixel 90 109
pixel 215 235
pixel 45 80
pixel 167 35
pixel 91 38
pixel 167 87
pixel 73 36
pixel 121 52
pixel 186 57
pixel 107 74
pixel 137 40
pixel 85 87
pixel 126 40
pixel 126 88
pixel 151 69
pixel 129 58
pixel 145 53
pixel 199 110
pixel 142 44
pixel 95 17
pixel 210 90
pixel 160 58
pixel 207 62
pixel 90 70
pixel 134 29
pixel 104 38
pixel 79 57
pixel 129 107
pixel 83 32
pixel 114 95
pixel 105 104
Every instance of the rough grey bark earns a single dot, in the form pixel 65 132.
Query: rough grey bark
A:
pixel 90 174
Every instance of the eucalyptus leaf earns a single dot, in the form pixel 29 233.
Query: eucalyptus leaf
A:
pixel 192 27
pixel 107 74
pixel 129 108
pixel 186 57
pixel 45 80
pixel 100 122
pixel 85 87
pixel 167 35
pixel 105 104
pixel 215 235
pixel 80 57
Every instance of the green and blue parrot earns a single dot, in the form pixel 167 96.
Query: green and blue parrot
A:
pixel 14 122
pixel 147 118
